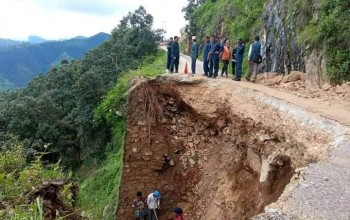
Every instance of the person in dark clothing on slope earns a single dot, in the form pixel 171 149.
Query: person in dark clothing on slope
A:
pixel 169 54
pixel 139 207
pixel 175 55
pixel 206 51
pixel 214 57
pixel 239 59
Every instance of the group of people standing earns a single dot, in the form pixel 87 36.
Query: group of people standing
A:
pixel 215 50
pixel 146 208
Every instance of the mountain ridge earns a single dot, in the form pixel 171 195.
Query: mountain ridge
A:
pixel 23 61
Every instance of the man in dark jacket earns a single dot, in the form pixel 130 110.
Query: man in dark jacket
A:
pixel 169 54
pixel 175 55
pixel 234 62
pixel 239 59
pixel 214 57
pixel 194 55
pixel 206 51
pixel 254 59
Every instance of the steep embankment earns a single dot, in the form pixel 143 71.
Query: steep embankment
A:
pixel 225 151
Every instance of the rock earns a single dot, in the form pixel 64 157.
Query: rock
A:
pixel 191 161
pixel 265 170
pixel 171 162
pixel 292 77
pixel 196 141
pixel 147 152
pixel 221 123
pixel 277 159
pixel 270 210
pixel 326 87
pixel 135 150
pixel 266 137
pixel 226 130
pixel 141 123
pixel 253 160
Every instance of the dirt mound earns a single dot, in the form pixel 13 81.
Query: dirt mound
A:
pixel 222 167
pixel 296 83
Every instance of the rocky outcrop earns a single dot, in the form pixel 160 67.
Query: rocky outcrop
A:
pixel 281 52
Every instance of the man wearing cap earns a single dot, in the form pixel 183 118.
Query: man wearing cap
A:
pixel 153 203
pixel 194 55
pixel 239 59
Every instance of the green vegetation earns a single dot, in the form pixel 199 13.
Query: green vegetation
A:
pixel 225 18
pixel 18 179
pixel 22 62
pixel 329 31
pixel 5 85
pixel 69 114
pixel 104 182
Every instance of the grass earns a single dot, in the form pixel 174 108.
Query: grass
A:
pixel 98 197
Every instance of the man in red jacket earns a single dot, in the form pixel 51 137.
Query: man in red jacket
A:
pixel 178 214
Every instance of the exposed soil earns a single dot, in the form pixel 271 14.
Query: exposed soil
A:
pixel 203 154
pixel 295 83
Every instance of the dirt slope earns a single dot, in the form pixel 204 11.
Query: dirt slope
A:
pixel 231 150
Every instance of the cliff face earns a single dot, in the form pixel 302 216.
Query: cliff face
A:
pixel 281 51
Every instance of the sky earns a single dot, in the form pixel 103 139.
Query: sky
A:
pixel 63 19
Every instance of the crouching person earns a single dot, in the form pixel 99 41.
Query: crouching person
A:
pixel 139 207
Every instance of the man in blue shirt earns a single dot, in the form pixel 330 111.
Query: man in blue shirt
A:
pixel 214 57
pixel 206 51
pixel 175 55
pixel 239 59
pixel 254 59
pixel 194 55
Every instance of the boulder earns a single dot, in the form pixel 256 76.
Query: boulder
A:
pixel 253 160
pixel 292 77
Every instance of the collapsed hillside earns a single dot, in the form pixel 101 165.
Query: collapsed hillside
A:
pixel 214 151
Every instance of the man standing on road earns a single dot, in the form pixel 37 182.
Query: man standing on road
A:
pixel 153 202
pixel 194 55
pixel 254 59
pixel 175 55
pixel 214 57
pixel 233 57
pixel 206 51
pixel 239 59
pixel 169 54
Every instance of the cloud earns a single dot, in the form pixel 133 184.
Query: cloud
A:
pixel 93 7
pixel 57 19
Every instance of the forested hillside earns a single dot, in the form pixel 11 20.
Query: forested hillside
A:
pixel 54 118
pixel 21 62
pixel 302 35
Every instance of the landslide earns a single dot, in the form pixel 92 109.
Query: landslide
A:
pixel 215 163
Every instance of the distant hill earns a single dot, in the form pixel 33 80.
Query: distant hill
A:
pixel 35 39
pixel 23 61
pixel 8 43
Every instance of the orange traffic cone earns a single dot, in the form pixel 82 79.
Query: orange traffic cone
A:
pixel 186 69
